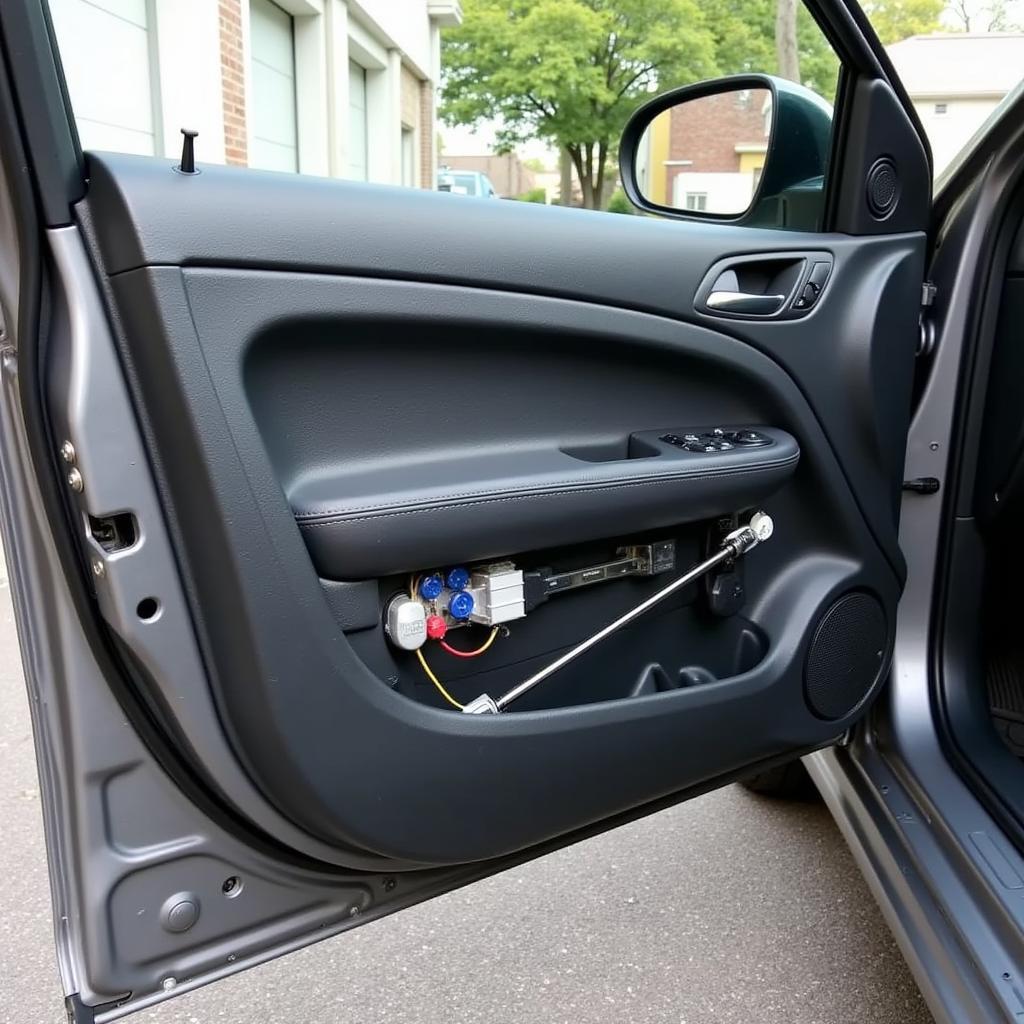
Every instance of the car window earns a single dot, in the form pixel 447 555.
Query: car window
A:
pixel 517 99
pixel 958 62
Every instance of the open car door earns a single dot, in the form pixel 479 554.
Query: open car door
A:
pixel 277 450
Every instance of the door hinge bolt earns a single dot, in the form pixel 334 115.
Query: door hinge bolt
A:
pixel 75 481
pixel 99 570
pixel 67 453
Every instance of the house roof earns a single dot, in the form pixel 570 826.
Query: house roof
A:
pixel 951 64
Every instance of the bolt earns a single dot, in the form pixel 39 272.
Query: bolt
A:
pixel 67 453
pixel 99 570
pixel 168 983
pixel 934 446
pixel 353 911
pixel 389 884
pixel 75 481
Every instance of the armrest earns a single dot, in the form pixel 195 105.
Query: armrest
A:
pixel 466 506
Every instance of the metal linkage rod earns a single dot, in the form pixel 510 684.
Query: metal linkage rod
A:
pixel 737 543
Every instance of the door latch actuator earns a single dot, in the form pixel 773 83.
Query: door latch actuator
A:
pixel 734 545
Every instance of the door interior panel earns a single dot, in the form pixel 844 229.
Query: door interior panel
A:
pixel 336 405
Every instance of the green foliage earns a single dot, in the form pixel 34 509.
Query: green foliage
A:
pixel 533 195
pixel 894 20
pixel 570 71
pixel 618 203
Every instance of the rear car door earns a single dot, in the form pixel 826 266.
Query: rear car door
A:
pixel 267 437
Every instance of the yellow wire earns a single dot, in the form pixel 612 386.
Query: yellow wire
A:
pixel 437 682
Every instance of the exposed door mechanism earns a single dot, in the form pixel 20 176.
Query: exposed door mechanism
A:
pixel 736 544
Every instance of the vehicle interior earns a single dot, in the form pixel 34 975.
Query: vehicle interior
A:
pixel 982 660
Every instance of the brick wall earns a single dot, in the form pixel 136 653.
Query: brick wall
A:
pixel 426 134
pixel 707 131
pixel 232 69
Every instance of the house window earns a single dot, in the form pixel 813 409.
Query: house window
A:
pixel 357 125
pixel 408 157
pixel 941 109
pixel 696 201
pixel 275 137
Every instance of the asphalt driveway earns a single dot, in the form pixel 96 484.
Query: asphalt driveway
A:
pixel 727 909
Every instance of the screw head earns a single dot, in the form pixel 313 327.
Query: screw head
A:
pixel 99 570
pixel 75 481
pixel 67 453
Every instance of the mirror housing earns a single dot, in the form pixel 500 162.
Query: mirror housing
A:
pixel 790 193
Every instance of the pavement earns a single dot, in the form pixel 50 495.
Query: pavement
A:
pixel 729 908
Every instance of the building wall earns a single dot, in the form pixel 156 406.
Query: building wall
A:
pixel 704 134
pixel 508 175
pixel 948 132
pixel 188 64
pixel 232 70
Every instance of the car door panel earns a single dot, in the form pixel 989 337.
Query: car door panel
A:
pixel 255 383
pixel 263 405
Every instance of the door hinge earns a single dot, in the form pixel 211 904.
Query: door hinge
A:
pixel 928 293
pixel 922 485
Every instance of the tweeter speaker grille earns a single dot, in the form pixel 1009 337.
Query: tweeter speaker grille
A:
pixel 883 188
pixel 846 655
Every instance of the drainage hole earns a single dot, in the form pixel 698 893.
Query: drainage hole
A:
pixel 147 608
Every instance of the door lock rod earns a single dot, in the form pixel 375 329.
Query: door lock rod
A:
pixel 734 545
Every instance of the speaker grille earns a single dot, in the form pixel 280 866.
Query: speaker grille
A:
pixel 845 655
pixel 883 188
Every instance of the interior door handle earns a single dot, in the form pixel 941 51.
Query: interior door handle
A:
pixel 745 302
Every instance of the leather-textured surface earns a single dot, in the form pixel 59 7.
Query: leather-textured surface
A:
pixel 399 518
pixel 146 215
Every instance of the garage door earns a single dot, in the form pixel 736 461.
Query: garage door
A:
pixel 113 98
pixel 274 134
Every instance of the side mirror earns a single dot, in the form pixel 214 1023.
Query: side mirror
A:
pixel 750 149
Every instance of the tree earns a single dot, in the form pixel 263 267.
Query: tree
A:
pixel 787 56
pixel 894 20
pixel 570 71
pixel 982 16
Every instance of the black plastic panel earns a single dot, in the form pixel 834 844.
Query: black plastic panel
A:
pixel 311 721
pixel 852 355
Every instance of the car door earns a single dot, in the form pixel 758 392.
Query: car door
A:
pixel 266 438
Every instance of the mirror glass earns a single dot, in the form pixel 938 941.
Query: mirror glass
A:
pixel 706 154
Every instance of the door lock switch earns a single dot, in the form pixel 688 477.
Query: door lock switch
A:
pixel 719 439
pixel 812 289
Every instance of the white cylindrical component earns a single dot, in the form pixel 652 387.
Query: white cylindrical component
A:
pixel 406 623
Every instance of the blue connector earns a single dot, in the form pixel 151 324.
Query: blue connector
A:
pixel 461 605
pixel 457 578
pixel 431 587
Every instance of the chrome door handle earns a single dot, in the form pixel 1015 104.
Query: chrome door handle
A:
pixel 745 302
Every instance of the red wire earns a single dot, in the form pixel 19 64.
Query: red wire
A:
pixel 464 654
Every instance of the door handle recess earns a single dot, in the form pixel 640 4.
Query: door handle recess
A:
pixel 745 302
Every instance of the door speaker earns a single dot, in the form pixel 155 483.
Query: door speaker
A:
pixel 883 188
pixel 845 655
